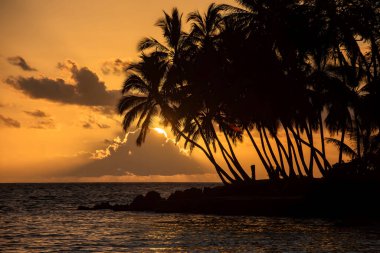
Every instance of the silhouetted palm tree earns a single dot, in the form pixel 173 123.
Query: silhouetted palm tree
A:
pixel 280 66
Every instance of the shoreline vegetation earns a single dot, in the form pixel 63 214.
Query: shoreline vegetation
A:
pixel 291 77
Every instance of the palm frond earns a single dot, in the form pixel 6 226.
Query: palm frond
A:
pixel 148 43
pixel 128 102
pixel 131 115
pixel 135 82
pixel 347 150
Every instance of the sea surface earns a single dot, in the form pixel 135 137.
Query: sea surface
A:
pixel 44 218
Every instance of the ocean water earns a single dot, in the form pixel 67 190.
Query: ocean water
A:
pixel 43 218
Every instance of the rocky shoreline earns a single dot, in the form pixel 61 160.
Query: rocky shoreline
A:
pixel 296 198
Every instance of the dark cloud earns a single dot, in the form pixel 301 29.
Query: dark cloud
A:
pixel 108 111
pixel 87 125
pixel 37 114
pixel 87 90
pixel 9 122
pixel 155 157
pixel 44 124
pixel 116 67
pixel 19 61
pixel 43 120
pixel 104 126
pixel 91 123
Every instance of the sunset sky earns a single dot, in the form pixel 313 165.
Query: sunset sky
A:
pixel 61 68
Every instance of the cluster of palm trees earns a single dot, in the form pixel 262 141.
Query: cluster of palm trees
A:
pixel 287 71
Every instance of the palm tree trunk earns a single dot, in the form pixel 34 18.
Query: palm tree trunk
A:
pixel 233 172
pixel 282 168
pixel 282 151
pixel 264 149
pixel 317 152
pixel 295 157
pixel 235 160
pixel 292 173
pixel 340 159
pixel 262 159
pixel 223 150
pixel 312 153
pixel 210 157
pixel 301 155
pixel 271 150
pixel 227 156
pixel 321 129
pixel 210 152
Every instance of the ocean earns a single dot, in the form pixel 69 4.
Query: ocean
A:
pixel 44 218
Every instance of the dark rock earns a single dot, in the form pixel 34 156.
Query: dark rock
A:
pixel 103 205
pixel 146 203
pixel 295 197
pixel 121 208
pixel 84 208
pixel 153 196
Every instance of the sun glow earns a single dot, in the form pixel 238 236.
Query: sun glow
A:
pixel 161 131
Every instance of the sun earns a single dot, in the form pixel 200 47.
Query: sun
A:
pixel 161 131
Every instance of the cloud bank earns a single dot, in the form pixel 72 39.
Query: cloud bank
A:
pixel 123 158
pixel 87 89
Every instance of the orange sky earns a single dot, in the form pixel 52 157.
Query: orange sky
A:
pixel 47 137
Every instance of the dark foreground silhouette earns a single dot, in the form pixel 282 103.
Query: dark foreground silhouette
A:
pixel 297 198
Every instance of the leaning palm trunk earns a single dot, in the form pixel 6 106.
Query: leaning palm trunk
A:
pixel 211 155
pixel 301 154
pixel 226 159
pixel 282 151
pixel 278 166
pixel 235 160
pixel 265 151
pixel 262 159
pixel 340 159
pixel 224 177
pixel 321 128
pixel 318 152
pixel 292 172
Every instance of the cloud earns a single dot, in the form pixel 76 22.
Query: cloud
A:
pixel 123 158
pixel 91 123
pixel 116 67
pixel 43 120
pixel 19 61
pixel 44 124
pixel 37 114
pixel 87 125
pixel 108 111
pixel 87 89
pixel 9 122
pixel 103 126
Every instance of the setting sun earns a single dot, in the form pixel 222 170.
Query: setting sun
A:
pixel 161 131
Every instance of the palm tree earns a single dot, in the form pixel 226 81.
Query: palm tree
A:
pixel 145 80
pixel 270 67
